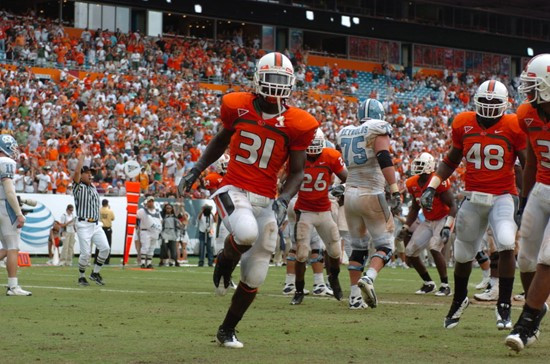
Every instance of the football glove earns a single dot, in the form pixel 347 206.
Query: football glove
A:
pixel 188 180
pixel 395 202
pixel 445 234
pixel 279 208
pixel 427 198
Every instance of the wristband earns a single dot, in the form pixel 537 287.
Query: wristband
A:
pixel 435 182
pixel 450 222
pixel 394 188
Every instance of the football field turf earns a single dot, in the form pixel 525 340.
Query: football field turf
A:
pixel 171 315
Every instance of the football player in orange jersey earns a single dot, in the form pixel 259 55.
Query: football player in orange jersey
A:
pixel 490 141
pixel 534 244
pixel 313 210
pixel 434 232
pixel 262 132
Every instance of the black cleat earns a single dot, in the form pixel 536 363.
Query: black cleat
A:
pixel 455 313
pixel 298 298
pixel 223 269
pixel 228 339
pixel 96 277
pixel 82 281
pixel 336 289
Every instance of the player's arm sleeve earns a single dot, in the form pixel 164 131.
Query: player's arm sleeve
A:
pixel 456 133
pixel 337 163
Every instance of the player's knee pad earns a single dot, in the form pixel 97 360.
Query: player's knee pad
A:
pixel 481 257
pixel 411 250
pixel 385 258
pixel 318 256
pixel 268 238
pixel 358 256
pixel 302 253
pixel 245 231
pixel 526 263
pixel 494 260
pixel 334 250
pixel 10 242
pixel 359 243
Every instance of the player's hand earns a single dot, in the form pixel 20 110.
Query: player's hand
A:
pixel 427 198
pixel 519 213
pixel 188 180
pixel 395 202
pixel 20 221
pixel 279 208
pixel 445 234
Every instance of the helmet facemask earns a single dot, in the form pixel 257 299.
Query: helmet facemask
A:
pixel 533 88
pixel 317 144
pixel 424 164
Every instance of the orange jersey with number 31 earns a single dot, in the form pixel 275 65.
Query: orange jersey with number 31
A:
pixel 490 153
pixel 313 194
pixel 259 147
pixel 538 133
pixel 439 209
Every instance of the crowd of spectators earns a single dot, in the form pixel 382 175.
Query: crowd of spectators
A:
pixel 148 105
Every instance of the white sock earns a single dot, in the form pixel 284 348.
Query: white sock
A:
pixel 486 273
pixel 82 274
pixel 290 278
pixel 12 282
pixel 372 273
pixel 318 278
pixel 97 268
pixel 355 291
pixel 494 282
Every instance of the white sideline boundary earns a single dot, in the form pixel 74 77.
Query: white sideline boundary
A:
pixel 204 293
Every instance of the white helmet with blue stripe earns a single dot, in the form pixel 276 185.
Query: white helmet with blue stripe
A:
pixel 8 145
pixel 370 109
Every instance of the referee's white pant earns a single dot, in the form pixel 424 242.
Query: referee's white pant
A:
pixel 90 232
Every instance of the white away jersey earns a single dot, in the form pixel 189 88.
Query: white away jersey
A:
pixel 357 146
pixel 7 170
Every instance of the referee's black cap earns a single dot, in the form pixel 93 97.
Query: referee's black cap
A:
pixel 86 169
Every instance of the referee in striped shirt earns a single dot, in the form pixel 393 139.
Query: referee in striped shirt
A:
pixel 88 230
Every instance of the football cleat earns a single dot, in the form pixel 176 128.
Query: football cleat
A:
pixel 367 291
pixel 335 286
pixel 96 277
pixel 531 339
pixel 455 312
pixel 17 291
pixel 289 288
pixel 82 281
pixel 525 331
pixel 488 295
pixel 322 290
pixel 427 287
pixel 298 298
pixel 504 317
pixel 484 284
pixel 443 291
pixel 357 303
pixel 228 339
pixel 222 270
pixel 520 297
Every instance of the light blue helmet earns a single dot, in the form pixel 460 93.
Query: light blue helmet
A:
pixel 8 145
pixel 370 109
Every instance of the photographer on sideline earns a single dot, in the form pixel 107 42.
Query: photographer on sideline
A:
pixel 206 229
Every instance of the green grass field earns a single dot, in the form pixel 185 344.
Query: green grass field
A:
pixel 172 314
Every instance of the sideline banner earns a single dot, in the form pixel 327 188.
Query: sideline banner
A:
pixel 35 233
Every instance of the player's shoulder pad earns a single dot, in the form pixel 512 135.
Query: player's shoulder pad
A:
pixel 301 120
pixel 525 110
pixel 410 182
pixel 464 118
pixel 378 127
pixel 235 100
pixel 331 152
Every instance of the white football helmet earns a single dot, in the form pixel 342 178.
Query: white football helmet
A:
pixel 535 80
pixel 317 144
pixel 491 99
pixel 274 76
pixel 423 164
